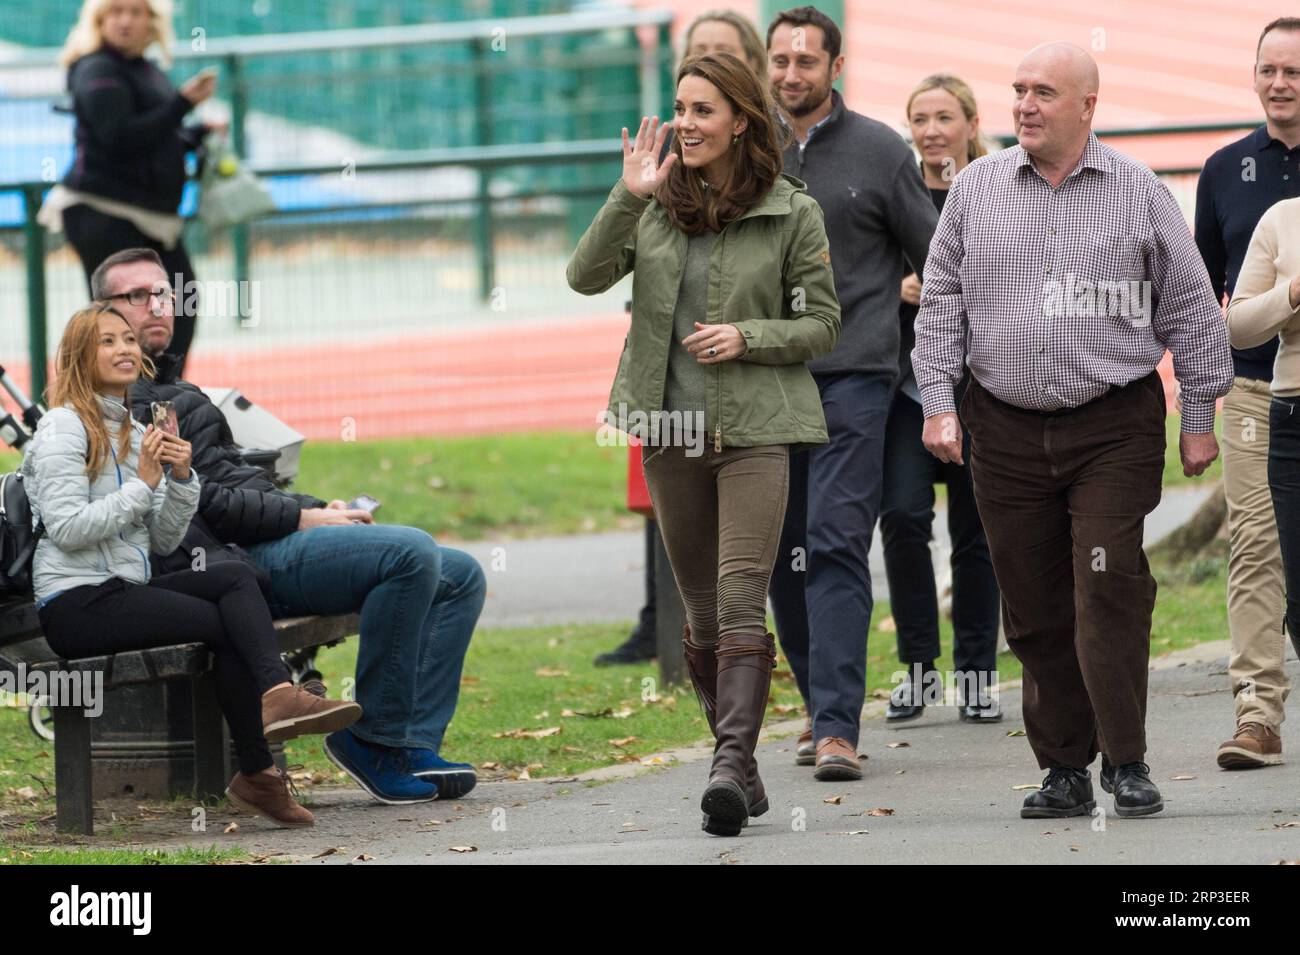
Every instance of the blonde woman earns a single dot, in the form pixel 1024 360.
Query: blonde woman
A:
pixel 124 187
pixel 96 482
pixel 725 31
pixel 945 125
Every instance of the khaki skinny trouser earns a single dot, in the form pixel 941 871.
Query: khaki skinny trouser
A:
pixel 720 514
pixel 1256 588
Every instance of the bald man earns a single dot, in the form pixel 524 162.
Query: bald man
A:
pixel 1060 272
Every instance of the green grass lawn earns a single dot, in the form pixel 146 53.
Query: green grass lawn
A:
pixel 520 685
pixel 530 485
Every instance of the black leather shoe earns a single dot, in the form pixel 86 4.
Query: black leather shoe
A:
pixel 907 701
pixel 639 647
pixel 1130 783
pixel 983 710
pixel 1065 792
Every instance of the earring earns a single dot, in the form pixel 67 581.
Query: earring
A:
pixel 735 140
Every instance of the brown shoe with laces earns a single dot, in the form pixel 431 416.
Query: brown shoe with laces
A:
pixel 1252 746
pixel 836 759
pixel 291 711
pixel 265 795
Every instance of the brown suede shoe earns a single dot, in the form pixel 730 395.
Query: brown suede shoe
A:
pixel 1252 746
pixel 805 751
pixel 269 796
pixel 836 759
pixel 290 711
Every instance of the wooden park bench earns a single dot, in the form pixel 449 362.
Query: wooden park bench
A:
pixel 21 642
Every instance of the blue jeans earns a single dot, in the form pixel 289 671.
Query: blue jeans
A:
pixel 418 603
pixel 823 614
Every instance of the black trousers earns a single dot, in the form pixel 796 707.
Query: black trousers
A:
pixel 221 606
pixel 906 523
pixel 96 236
pixel 1284 483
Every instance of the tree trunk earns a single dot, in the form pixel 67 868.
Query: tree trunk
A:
pixel 1204 526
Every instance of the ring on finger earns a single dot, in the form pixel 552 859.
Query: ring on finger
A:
pixel 713 352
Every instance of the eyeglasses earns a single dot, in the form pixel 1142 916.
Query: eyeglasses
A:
pixel 140 296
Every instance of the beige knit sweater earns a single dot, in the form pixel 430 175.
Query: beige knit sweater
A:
pixel 1261 303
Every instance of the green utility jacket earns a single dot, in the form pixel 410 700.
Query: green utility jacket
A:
pixel 769 275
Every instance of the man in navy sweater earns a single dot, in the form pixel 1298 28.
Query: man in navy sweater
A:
pixel 1237 186
pixel 877 211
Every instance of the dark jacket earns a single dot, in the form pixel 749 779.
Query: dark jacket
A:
pixel 878 210
pixel 130 141
pixel 239 502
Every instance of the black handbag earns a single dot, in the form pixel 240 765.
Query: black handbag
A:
pixel 18 538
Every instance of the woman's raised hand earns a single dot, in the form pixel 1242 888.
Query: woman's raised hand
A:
pixel 642 171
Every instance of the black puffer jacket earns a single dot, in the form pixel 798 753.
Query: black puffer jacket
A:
pixel 239 502
pixel 131 143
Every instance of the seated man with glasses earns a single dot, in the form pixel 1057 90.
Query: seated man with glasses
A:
pixel 419 602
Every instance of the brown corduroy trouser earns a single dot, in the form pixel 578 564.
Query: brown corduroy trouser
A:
pixel 1063 498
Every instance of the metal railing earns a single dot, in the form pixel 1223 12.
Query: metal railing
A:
pixel 649 33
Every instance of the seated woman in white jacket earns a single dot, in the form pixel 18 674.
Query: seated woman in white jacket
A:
pixel 95 480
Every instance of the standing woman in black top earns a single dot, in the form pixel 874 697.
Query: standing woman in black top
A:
pixel 124 187
pixel 945 128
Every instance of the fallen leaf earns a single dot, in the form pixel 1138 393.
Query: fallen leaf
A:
pixel 25 792
pixel 363 858
pixel 548 671
pixel 233 827
pixel 1024 786
pixel 1075 848
pixel 490 766
pixel 888 626
pixel 1182 776
pixel 656 761
pixel 859 832
pixel 1015 732
pixel 783 709
pixel 589 714
pixel 1286 825
pixel 898 745
pixel 879 812
pixel 463 849
pixel 527 734
pixel 622 741
pixel 326 852
pixel 833 800
pixel 879 694
pixel 622 714
pixel 572 749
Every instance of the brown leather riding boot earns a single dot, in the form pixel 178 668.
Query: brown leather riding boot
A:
pixel 745 663
pixel 702 664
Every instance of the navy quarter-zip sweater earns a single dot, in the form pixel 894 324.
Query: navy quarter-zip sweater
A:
pixel 878 211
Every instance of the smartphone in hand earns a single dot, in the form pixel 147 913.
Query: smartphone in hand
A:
pixel 164 417
pixel 363 502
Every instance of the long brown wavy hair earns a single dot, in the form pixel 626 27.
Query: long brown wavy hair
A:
pixel 76 382
pixel 756 158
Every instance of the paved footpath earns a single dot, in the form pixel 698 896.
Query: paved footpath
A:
pixel 949 789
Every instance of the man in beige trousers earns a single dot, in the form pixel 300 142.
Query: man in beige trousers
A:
pixel 1238 185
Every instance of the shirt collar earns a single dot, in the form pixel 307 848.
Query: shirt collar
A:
pixel 837 110
pixel 1261 140
pixel 1094 157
